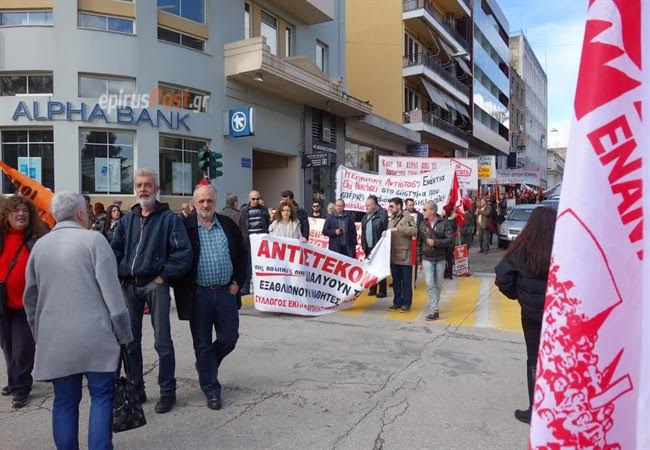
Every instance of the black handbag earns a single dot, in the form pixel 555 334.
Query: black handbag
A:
pixel 3 287
pixel 127 409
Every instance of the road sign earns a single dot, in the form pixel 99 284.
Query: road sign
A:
pixel 241 122
pixel 247 162
pixel 316 159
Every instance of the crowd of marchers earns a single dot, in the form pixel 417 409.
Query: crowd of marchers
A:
pixel 74 300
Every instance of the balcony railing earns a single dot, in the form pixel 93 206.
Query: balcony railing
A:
pixel 411 5
pixel 434 63
pixel 432 119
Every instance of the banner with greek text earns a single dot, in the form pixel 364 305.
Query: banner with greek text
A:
pixel 354 187
pixel 317 238
pixel 299 278
pixel 466 168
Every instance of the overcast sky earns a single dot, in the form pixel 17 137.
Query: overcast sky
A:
pixel 554 28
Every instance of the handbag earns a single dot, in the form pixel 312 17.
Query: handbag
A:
pixel 127 409
pixel 3 287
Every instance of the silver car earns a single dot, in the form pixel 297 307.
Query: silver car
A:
pixel 514 223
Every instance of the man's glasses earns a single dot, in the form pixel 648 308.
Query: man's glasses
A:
pixel 254 199
pixel 316 206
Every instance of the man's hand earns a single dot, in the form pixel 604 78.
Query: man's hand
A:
pixel 233 288
pixel 430 242
pixel 159 280
pixel 338 232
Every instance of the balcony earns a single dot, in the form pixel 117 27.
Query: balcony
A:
pixel 311 12
pixel 429 122
pixel 421 9
pixel 447 80
pixel 296 79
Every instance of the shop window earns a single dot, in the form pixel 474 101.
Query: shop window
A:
pixel 106 161
pixel 179 161
pixel 361 157
pixel 26 84
pixel 189 9
pixel 30 152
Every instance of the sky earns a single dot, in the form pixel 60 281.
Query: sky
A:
pixel 554 28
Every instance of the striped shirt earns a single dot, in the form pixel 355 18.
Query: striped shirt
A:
pixel 215 265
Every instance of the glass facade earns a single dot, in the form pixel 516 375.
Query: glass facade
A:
pixel 106 161
pixel 31 152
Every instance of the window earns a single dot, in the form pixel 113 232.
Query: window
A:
pixel 181 39
pixel 269 30
pixel 361 157
pixel 411 100
pixel 31 152
pixel 288 41
pixel 106 23
pixel 179 162
pixel 106 161
pixel 411 49
pixel 94 86
pixel 247 20
pixel 321 56
pixel 17 18
pixel 27 84
pixel 189 9
pixel 182 97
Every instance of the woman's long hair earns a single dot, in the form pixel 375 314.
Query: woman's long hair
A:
pixel 36 227
pixel 278 212
pixel 533 246
pixel 109 218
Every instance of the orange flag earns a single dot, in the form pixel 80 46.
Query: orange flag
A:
pixel 33 190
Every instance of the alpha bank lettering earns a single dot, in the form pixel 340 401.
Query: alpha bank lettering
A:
pixel 125 115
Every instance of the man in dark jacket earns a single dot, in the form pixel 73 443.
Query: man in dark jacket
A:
pixel 435 238
pixel 287 196
pixel 341 231
pixel 373 224
pixel 410 208
pixel 207 294
pixel 259 220
pixel 152 249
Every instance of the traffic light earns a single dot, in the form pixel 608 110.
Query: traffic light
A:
pixel 204 160
pixel 215 165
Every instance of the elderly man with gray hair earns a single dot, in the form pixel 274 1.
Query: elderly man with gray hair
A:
pixel 77 314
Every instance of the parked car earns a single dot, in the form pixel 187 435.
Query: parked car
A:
pixel 552 203
pixel 514 223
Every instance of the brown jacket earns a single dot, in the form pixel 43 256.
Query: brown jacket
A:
pixel 400 250
pixel 484 217
pixel 240 220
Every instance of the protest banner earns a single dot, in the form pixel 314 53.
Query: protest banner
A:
pixel 466 168
pixel 354 187
pixel 33 190
pixel 317 238
pixel 531 176
pixel 461 261
pixel 487 167
pixel 299 278
pixel 593 371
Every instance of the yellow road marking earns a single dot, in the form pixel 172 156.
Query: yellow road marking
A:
pixel 420 300
pixel 505 314
pixel 461 308
pixel 360 305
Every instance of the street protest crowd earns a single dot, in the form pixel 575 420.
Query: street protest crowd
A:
pixel 74 300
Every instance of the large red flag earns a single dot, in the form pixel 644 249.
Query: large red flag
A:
pixel 593 380
pixel 32 189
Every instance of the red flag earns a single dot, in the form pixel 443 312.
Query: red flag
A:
pixel 33 190
pixel 455 202
pixel 204 182
pixel 593 372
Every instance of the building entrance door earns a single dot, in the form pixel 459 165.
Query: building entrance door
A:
pixel 274 173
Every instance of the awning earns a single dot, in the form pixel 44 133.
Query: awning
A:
pixel 437 96
pixel 463 65
pixel 450 53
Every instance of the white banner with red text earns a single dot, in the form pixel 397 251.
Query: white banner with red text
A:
pixel 466 168
pixel 317 238
pixel 299 278
pixel 354 187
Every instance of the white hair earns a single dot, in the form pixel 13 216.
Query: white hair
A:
pixel 146 172
pixel 431 205
pixel 66 204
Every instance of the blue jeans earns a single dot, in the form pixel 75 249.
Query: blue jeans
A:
pixel 213 308
pixel 433 275
pixel 402 288
pixel 157 297
pixel 65 414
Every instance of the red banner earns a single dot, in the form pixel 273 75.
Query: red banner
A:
pixel 33 190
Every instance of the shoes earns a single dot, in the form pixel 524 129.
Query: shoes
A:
pixel 393 308
pixel 381 295
pixel 5 391
pixel 433 316
pixel 404 309
pixel 523 415
pixel 20 401
pixel 214 403
pixel 480 251
pixel 142 396
pixel 165 403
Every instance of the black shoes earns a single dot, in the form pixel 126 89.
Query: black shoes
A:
pixel 372 293
pixel 142 396
pixel 20 401
pixel 380 295
pixel 404 309
pixel 523 415
pixel 214 403
pixel 433 316
pixel 393 308
pixel 165 403
pixel 5 391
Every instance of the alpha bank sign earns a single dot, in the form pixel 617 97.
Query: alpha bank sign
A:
pixel 84 112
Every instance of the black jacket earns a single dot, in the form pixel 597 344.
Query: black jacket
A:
pixel 303 218
pixel 146 247
pixel 336 243
pixel 443 240
pixel 379 225
pixel 517 284
pixel 185 287
pixel 266 217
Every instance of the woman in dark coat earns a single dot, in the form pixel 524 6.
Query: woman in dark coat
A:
pixel 113 216
pixel 522 275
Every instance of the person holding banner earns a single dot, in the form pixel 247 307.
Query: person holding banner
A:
pixel 484 219
pixel 285 222
pixel 435 238
pixel 341 231
pixel 403 228
pixel 522 275
pixel 373 225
